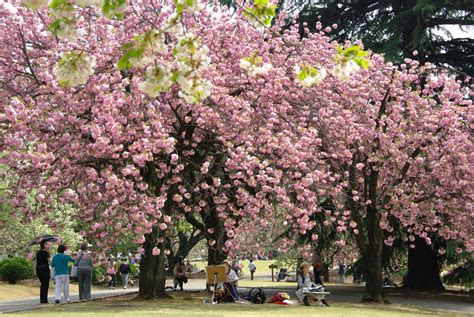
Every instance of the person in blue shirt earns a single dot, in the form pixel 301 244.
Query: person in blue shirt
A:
pixel 252 269
pixel 61 273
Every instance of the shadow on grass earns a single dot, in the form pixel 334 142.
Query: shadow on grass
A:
pixel 191 304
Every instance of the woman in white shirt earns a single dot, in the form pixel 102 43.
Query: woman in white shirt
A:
pixel 232 280
pixel 304 283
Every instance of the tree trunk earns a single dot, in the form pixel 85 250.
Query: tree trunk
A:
pixel 326 273
pixel 152 270
pixel 373 274
pixel 215 256
pixel 423 268
pixel 185 246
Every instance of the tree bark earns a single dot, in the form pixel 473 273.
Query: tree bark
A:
pixel 185 246
pixel 373 274
pixel 152 270
pixel 423 268
pixel 326 273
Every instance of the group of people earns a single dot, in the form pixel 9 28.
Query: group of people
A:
pixel 113 269
pixel 59 270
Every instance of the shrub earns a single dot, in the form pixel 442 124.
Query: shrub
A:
pixel 98 274
pixel 15 269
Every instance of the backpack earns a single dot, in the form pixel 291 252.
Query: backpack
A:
pixel 257 296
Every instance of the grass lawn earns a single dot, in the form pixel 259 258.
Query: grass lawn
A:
pixel 20 290
pixel 190 304
pixel 31 288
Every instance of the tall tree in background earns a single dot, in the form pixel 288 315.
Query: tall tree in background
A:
pixel 398 27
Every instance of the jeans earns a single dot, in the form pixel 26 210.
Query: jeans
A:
pixel 44 274
pixel 62 284
pixel 341 278
pixel 234 292
pixel 84 278
pixel 251 275
pixel 125 280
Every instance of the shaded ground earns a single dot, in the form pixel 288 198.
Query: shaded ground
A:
pixel 191 304
pixel 342 296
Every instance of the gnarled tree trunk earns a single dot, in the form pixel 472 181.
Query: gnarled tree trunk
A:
pixel 152 270
pixel 423 268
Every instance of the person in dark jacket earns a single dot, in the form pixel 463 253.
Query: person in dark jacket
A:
pixel 43 271
pixel 125 271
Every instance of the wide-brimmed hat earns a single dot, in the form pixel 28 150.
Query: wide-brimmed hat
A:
pixel 304 265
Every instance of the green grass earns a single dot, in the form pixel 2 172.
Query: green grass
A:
pixel 190 304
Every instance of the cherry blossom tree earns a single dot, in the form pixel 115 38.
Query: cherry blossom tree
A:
pixel 142 115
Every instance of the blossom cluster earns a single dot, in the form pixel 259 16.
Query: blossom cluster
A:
pixel 260 146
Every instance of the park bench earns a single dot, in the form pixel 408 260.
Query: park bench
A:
pixel 320 297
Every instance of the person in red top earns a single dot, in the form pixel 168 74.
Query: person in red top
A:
pixel 111 272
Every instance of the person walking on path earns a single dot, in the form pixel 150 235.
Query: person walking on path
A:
pixel 125 271
pixel 111 273
pixel 252 269
pixel 43 271
pixel 61 274
pixel 84 271
pixel 342 272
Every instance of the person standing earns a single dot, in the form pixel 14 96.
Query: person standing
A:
pixel 43 271
pixel 61 274
pixel 125 271
pixel 111 273
pixel 318 268
pixel 252 269
pixel 179 272
pixel 84 272
pixel 342 272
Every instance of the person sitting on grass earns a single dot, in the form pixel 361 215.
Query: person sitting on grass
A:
pixel 305 285
pixel 61 273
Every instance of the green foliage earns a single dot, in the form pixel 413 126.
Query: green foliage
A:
pixel 307 71
pixel 114 8
pixel 462 275
pixel 98 273
pixel 135 269
pixel 62 6
pixel 263 10
pixel 355 53
pixel 15 269
pixel 396 28
pixel 131 52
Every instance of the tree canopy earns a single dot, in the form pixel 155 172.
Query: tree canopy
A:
pixel 397 28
